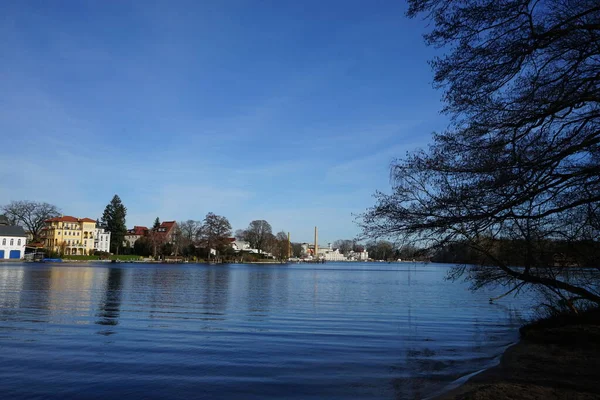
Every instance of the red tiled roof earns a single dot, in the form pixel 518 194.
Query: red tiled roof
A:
pixel 64 218
pixel 138 230
pixel 168 224
pixel 165 228
pixel 68 218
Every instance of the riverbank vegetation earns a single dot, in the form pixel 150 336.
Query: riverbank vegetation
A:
pixel 116 257
pixel 512 185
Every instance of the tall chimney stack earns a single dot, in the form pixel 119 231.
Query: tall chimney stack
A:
pixel 316 242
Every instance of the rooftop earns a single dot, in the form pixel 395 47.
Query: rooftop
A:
pixel 7 230
pixel 137 230
pixel 68 218
pixel 165 227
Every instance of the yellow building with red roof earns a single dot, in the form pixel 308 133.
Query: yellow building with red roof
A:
pixel 69 235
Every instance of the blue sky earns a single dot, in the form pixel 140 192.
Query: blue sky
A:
pixel 278 110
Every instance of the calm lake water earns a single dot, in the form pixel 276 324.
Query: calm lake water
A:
pixel 332 331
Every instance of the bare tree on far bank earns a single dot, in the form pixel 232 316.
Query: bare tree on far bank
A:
pixel 189 231
pixel 258 234
pixel 281 248
pixel 296 249
pixel 517 169
pixel 215 233
pixel 155 240
pixel 344 245
pixel 30 214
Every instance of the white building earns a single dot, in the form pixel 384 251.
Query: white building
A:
pixel 334 255
pixel 242 245
pixel 133 235
pixel 101 239
pixel 12 242
pixel 330 254
pixel 359 255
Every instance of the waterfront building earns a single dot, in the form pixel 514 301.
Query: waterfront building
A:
pixel 133 235
pixel 245 247
pixel 330 254
pixel 358 255
pixel 69 235
pixel 327 253
pixel 308 250
pixel 12 241
pixel 241 245
pixel 101 239
pixel 166 231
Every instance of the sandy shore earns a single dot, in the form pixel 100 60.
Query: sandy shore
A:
pixel 549 363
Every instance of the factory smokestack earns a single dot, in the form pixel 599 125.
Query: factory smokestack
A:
pixel 316 242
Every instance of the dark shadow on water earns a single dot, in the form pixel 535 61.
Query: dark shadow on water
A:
pixel 109 308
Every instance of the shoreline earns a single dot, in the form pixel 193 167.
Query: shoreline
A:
pixel 549 363
pixel 456 386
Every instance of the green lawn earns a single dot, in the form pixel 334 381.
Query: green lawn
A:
pixel 125 257
pixel 79 257
pixel 113 257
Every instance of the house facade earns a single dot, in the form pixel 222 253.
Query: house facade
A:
pixel 133 235
pixel 69 235
pixel 12 242
pixel 166 231
pixel 101 239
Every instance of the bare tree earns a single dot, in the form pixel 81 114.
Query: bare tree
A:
pixel 215 232
pixel 31 215
pixel 380 250
pixel 518 166
pixel 297 250
pixel 156 240
pixel 189 231
pixel 270 244
pixel 281 247
pixel 344 245
pixel 186 235
pixel 258 233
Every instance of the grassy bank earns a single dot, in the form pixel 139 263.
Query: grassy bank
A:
pixel 96 258
pixel 556 358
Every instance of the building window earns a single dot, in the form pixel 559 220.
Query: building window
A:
pixel 3 242
pixel 18 242
pixel 12 242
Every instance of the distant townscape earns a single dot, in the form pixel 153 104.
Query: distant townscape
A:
pixel 31 228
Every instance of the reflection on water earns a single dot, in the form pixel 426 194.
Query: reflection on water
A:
pixel 110 305
pixel 336 331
